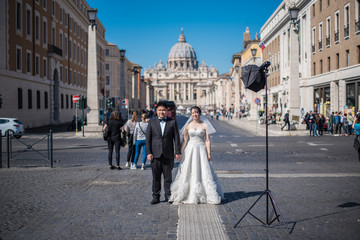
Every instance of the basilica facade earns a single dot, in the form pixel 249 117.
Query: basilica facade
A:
pixel 183 80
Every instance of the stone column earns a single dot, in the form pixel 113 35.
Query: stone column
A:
pixel 93 128
pixel 184 93
pixel 148 96
pixel 342 95
pixel 237 92
pixel 189 92
pixel 228 95
pixel 294 81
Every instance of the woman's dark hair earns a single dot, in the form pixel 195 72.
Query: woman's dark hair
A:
pixel 195 107
pixel 114 115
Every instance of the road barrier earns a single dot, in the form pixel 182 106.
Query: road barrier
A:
pixel 29 148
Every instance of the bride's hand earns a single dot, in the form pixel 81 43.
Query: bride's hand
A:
pixel 209 157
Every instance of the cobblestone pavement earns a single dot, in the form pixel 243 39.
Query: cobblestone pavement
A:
pixel 82 199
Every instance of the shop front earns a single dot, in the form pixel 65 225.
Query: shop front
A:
pixel 322 100
pixel 352 96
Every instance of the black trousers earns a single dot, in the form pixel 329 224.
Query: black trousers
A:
pixel 131 152
pixel 286 123
pixel 161 166
pixel 111 145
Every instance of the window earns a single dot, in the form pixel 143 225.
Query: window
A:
pixel 358 51
pixel 66 19
pixel 107 93
pixel 29 99
pixel 46 103
pixel 74 51
pixel 53 8
pixel 313 39
pixel 28 62
pixel 107 66
pixel 107 80
pixel 74 79
pixel 107 52
pixel 70 79
pixel 314 68
pixel 62 101
pixel 347 58
pixel 70 48
pixel 61 41
pixel 329 64
pixel 71 102
pixel 44 32
pixel 337 61
pixel 18 58
pixel 67 101
pixel 20 98
pixel 28 22
pixel 320 5
pixel 357 16
pixel 346 20
pixel 53 36
pixel 37 65
pixel 66 75
pixel 328 30
pixel 45 67
pixel 61 15
pixel 61 73
pixel 66 46
pixel 44 4
pixel 38 105
pixel 350 94
pixel 37 28
pixel 313 10
pixel 337 26
pixel 321 66
pixel 18 16
pixel 320 36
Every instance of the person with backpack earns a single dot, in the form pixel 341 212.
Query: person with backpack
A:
pixel 140 141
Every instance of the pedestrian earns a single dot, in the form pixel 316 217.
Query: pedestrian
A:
pixel 345 124
pixel 322 121
pixel 330 123
pixel 286 120
pixel 140 141
pixel 130 128
pixel 306 119
pixel 336 121
pixel 115 125
pixel 316 116
pixel 350 121
pixel 356 126
pixel 341 122
pixel 162 143
pixel 311 121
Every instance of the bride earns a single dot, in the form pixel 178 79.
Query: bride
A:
pixel 196 181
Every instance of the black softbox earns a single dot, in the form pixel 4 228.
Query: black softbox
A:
pixel 254 77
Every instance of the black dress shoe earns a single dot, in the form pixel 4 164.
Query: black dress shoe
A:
pixel 118 168
pixel 155 201
pixel 112 167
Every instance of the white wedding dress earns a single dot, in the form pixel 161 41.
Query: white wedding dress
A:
pixel 196 181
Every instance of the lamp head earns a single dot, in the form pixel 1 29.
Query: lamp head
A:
pixel 122 53
pixel 92 15
pixel 253 52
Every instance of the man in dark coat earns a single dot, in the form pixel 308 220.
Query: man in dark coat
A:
pixel 287 120
pixel 162 141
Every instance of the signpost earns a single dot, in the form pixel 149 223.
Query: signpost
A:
pixel 124 103
pixel 76 99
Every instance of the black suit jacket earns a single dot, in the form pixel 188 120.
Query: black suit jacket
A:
pixel 166 145
pixel 115 129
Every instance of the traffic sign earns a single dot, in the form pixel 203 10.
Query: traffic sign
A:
pixel 257 101
pixel 124 102
pixel 76 98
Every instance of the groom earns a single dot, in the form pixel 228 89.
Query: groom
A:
pixel 161 135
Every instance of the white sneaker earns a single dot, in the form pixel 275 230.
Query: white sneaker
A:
pixel 127 164
pixel 133 166
pixel 142 167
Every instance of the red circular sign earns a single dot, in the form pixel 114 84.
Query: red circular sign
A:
pixel 124 102
pixel 76 98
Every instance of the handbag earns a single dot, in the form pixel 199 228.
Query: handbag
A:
pixel 357 143
pixel 107 134
pixel 123 139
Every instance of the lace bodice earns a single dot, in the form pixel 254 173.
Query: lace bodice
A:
pixel 196 135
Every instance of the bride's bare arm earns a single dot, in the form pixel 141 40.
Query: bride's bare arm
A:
pixel 207 143
pixel 185 140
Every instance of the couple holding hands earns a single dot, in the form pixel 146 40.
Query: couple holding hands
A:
pixel 195 181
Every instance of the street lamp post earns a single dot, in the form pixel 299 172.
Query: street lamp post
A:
pixel 122 81
pixel 294 80
pixel 237 89
pixel 93 127
pixel 134 88
pixel 253 53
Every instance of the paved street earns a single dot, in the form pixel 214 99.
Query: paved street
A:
pixel 314 180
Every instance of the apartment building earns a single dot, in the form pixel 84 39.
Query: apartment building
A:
pixel 44 60
pixel 334 84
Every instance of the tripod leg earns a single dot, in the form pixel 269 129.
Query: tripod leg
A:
pixel 277 212
pixel 248 211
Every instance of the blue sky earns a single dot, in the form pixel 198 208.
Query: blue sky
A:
pixel 147 29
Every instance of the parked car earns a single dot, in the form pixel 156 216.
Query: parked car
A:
pixel 11 125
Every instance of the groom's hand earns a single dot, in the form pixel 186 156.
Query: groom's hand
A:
pixel 150 157
pixel 178 157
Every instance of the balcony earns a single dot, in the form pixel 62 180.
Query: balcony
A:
pixel 320 45
pixel 357 27
pixel 336 37
pixel 53 50
pixel 346 32
pixel 313 48
pixel 328 41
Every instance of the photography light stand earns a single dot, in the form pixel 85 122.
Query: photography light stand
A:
pixel 267 192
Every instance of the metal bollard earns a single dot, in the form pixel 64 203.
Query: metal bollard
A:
pixel 51 150
pixel 0 149
pixel 8 148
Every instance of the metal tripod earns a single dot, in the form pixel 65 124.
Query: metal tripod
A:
pixel 267 193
